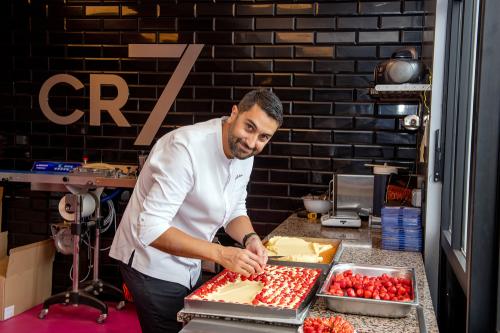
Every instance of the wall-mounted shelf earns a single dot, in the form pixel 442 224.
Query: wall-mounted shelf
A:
pixel 400 90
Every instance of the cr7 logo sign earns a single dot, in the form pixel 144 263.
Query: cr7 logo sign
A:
pixel 187 54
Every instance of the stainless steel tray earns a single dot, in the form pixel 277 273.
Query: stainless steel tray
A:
pixel 252 312
pixel 325 267
pixel 365 306
pixel 205 325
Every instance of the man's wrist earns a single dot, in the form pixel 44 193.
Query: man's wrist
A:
pixel 247 237
pixel 215 252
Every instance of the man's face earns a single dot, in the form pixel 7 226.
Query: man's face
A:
pixel 249 131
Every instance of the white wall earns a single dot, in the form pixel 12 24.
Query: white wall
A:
pixel 433 197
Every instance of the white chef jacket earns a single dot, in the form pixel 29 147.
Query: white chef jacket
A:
pixel 188 183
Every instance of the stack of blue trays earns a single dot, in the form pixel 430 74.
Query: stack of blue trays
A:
pixel 401 229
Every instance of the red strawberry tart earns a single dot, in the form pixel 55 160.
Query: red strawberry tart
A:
pixel 278 286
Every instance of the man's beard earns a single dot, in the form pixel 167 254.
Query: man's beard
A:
pixel 235 147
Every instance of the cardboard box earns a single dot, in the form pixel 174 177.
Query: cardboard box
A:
pixel 25 276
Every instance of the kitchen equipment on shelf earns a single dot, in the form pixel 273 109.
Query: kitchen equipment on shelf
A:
pixel 403 67
pixel 336 217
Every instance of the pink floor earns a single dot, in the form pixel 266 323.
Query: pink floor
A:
pixel 65 319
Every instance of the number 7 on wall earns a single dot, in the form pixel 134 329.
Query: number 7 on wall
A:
pixel 188 56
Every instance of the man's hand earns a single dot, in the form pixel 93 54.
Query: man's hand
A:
pixel 240 261
pixel 255 246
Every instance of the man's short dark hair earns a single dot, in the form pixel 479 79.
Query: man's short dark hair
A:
pixel 266 100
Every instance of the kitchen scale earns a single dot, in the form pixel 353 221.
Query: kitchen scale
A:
pixel 339 218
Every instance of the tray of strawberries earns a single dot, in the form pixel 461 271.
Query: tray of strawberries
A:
pixel 280 294
pixel 370 290
pixel 333 324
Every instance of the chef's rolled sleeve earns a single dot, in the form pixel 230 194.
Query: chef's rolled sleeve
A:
pixel 240 208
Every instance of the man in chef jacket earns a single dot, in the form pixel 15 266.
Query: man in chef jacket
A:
pixel 193 182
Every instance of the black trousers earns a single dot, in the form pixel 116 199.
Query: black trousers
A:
pixel 157 301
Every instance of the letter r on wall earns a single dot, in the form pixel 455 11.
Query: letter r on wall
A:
pixel 113 106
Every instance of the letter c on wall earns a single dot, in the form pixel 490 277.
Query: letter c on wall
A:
pixel 43 99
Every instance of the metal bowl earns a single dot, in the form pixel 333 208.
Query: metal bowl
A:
pixel 315 205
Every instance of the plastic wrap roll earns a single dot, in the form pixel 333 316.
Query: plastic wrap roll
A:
pixel 87 203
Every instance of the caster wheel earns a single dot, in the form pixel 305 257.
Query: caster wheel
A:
pixel 43 313
pixel 120 305
pixel 102 318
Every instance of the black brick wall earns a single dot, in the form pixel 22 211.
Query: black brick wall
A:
pixel 317 56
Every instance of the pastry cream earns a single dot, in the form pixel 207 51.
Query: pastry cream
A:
pixel 296 249
pixel 240 292
pixel 302 258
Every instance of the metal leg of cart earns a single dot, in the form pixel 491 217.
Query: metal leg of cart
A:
pixel 76 295
pixel 97 286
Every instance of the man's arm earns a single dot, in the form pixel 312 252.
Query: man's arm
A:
pixel 241 226
pixel 178 243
